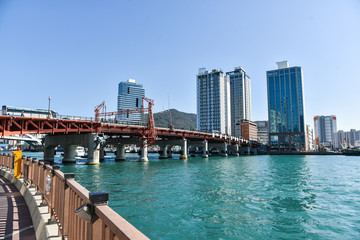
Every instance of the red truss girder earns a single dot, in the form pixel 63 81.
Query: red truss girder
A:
pixel 24 125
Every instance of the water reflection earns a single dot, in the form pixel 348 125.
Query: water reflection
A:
pixel 290 195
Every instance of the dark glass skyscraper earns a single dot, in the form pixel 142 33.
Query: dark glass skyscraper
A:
pixel 286 108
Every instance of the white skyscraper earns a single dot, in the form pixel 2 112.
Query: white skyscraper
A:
pixel 213 102
pixel 240 98
pixel 130 97
pixel 325 128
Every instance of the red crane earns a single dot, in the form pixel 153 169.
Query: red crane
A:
pixel 97 110
pixel 151 132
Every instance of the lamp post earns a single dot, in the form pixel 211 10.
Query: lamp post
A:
pixel 49 107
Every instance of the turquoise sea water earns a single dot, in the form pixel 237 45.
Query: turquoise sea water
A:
pixel 245 197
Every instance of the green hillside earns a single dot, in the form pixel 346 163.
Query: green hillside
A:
pixel 180 120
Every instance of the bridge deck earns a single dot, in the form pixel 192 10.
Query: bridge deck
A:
pixel 15 219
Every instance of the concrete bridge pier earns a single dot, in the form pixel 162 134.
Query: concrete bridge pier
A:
pixel 205 149
pixel 93 156
pixel 69 154
pixel 144 152
pixel 224 151
pixel 163 152
pixel 234 150
pixel 49 153
pixel 120 152
pixel 184 150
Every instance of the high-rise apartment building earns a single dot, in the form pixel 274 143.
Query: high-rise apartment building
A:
pixel 286 108
pixel 213 101
pixel 240 99
pixel 310 138
pixel 349 139
pixel 325 128
pixel 130 97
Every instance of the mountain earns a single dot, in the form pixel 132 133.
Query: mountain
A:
pixel 180 120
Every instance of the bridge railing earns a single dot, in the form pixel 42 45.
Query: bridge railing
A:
pixel 6 161
pixel 79 118
pixel 80 214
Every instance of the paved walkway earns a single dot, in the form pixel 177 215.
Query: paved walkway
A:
pixel 15 219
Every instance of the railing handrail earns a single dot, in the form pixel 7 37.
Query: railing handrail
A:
pixel 65 196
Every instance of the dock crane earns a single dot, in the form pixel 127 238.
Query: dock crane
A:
pixel 100 111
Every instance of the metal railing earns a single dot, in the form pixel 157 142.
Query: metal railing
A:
pixel 80 214
pixel 70 117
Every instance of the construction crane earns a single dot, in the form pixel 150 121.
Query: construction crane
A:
pixel 151 131
pixel 99 107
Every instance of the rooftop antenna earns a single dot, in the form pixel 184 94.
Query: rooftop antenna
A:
pixel 170 118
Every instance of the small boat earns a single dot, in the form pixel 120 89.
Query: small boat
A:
pixel 80 152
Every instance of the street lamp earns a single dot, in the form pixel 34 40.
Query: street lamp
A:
pixel 49 107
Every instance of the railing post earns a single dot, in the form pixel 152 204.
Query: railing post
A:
pixel 53 189
pixel 66 202
pixel 97 228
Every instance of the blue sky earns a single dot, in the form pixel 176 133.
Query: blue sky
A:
pixel 78 51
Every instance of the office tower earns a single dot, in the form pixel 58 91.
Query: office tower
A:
pixel 130 97
pixel 213 102
pixel 262 131
pixel 249 130
pixel 325 127
pixel 240 99
pixel 286 108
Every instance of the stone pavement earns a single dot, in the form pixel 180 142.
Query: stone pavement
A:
pixel 15 219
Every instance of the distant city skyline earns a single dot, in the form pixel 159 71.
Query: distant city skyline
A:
pixel 78 52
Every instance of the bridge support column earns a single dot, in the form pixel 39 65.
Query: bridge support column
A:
pixel 120 152
pixel 235 150
pixel 93 157
pixel 205 149
pixel 49 153
pixel 69 154
pixel 144 152
pixel 184 150
pixel 224 154
pixel 164 152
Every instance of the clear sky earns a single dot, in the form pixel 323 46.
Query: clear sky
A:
pixel 78 51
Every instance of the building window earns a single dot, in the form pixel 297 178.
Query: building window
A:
pixel 128 90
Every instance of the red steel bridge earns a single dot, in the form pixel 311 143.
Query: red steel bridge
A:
pixel 13 125
pixel 71 133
